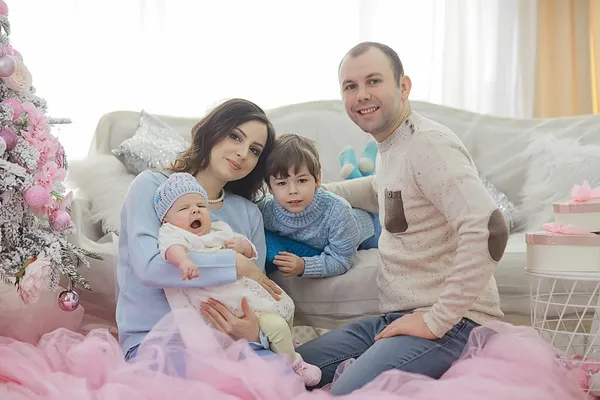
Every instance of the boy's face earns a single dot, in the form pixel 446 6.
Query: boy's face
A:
pixel 297 191
pixel 189 212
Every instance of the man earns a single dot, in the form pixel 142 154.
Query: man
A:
pixel 442 237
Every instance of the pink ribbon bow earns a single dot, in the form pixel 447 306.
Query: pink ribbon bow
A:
pixel 584 192
pixel 556 227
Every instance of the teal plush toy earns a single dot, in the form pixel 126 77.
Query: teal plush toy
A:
pixel 364 166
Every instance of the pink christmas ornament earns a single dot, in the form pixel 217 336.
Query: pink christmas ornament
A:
pixel 37 196
pixel 60 220
pixel 10 138
pixel 7 66
pixel 68 300
pixel 3 8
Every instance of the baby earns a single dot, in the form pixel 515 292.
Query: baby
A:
pixel 181 205
pixel 298 209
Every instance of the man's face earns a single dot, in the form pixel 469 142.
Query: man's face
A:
pixel 372 97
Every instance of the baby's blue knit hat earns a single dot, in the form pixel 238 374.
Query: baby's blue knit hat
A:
pixel 178 184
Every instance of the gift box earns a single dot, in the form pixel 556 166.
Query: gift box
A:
pixel 585 215
pixel 563 252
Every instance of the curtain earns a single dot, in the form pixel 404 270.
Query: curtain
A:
pixel 181 57
pixel 568 58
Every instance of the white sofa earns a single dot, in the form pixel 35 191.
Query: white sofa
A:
pixel 509 153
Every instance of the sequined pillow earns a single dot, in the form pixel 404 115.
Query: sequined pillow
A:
pixel 155 145
pixel 511 212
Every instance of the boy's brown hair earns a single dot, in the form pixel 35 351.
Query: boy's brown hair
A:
pixel 292 151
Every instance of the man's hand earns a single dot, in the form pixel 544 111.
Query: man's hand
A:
pixel 240 245
pixel 289 264
pixel 409 325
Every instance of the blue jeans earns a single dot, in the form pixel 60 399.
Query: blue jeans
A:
pixel 407 353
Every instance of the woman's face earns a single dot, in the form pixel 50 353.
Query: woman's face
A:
pixel 235 156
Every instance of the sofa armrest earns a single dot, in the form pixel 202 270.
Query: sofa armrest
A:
pixel 83 222
pixel 360 193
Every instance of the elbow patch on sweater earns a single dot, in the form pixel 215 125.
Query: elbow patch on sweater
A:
pixel 498 235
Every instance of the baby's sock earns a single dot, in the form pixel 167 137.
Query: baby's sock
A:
pixel 366 163
pixel 349 164
pixel 276 243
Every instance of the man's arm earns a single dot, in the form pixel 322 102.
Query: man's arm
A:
pixel 447 176
pixel 360 193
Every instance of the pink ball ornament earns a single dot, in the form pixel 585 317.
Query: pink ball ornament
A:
pixel 68 300
pixel 60 220
pixel 10 138
pixel 37 196
pixel 3 8
pixel 7 66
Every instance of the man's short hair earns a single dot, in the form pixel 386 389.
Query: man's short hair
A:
pixel 292 151
pixel 390 53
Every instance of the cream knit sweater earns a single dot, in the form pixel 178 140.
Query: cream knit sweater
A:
pixel 442 235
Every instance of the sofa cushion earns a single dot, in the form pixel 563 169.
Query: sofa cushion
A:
pixel 332 302
pixel 154 145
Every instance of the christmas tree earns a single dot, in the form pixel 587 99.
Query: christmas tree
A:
pixel 34 211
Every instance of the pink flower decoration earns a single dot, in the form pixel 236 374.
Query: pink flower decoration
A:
pixel 16 106
pixel 48 174
pixel 36 279
pixel 585 192
pixel 33 112
pixel 556 227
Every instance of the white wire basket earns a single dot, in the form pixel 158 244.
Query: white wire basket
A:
pixel 565 311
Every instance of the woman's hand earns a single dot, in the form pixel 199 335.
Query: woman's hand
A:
pixel 223 320
pixel 247 268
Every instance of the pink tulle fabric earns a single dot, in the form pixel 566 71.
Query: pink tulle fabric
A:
pixel 500 362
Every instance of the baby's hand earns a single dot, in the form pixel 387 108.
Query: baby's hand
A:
pixel 240 245
pixel 189 270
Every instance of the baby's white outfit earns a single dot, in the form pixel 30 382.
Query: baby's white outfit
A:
pixel 230 294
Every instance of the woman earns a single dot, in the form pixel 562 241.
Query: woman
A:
pixel 227 157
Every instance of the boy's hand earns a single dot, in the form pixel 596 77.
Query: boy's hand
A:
pixel 289 264
pixel 240 245
pixel 189 270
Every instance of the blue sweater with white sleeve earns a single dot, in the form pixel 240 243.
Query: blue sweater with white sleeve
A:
pixel 142 273
pixel 328 223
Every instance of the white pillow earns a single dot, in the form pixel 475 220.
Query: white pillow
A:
pixel 105 180
pixel 556 165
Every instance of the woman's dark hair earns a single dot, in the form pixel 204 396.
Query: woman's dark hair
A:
pixel 216 126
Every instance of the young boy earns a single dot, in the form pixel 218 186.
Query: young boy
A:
pixel 300 210
pixel 181 205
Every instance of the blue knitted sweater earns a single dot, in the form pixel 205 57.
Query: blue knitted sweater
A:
pixel 329 224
